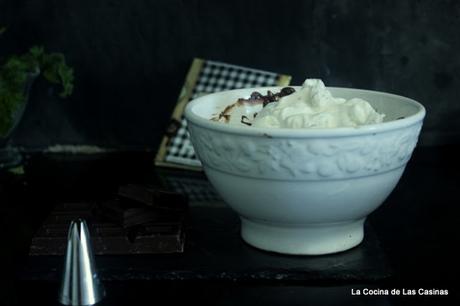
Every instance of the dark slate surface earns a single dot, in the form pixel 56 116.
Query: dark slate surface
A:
pixel 220 294
pixel 213 248
pixel 215 251
pixel 416 229
pixel 131 57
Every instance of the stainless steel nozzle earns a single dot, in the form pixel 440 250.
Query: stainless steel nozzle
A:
pixel 80 283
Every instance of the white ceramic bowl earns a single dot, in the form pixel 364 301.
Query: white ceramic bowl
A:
pixel 305 191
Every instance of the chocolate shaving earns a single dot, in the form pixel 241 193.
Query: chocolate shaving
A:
pixel 255 98
pixel 286 91
pixel 224 114
pixel 173 127
pixel 247 120
pixel 256 95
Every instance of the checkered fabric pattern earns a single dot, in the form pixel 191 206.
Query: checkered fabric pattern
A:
pixel 180 149
pixel 197 190
pixel 214 77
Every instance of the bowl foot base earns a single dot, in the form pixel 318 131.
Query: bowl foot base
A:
pixel 303 240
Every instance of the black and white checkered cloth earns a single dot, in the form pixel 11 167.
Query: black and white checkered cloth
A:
pixel 214 77
pixel 197 190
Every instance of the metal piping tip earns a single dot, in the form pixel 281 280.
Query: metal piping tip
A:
pixel 80 283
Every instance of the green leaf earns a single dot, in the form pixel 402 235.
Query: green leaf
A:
pixel 37 52
pixel 16 70
pixel 67 78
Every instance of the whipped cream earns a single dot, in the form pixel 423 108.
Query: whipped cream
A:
pixel 313 106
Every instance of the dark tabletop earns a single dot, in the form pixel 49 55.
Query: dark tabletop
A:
pixel 409 241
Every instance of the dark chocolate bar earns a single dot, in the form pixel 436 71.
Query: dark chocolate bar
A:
pixel 113 229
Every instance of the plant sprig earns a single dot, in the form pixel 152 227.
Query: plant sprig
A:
pixel 14 74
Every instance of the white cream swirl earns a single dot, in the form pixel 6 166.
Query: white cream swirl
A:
pixel 313 106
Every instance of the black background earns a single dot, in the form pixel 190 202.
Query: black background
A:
pixel 131 57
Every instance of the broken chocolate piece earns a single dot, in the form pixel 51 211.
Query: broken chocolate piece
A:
pixel 154 197
pixel 128 214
